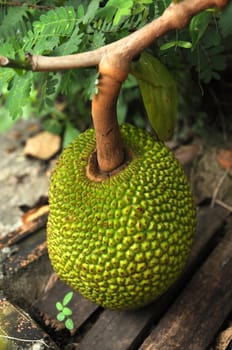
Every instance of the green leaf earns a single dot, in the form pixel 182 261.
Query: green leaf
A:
pixel 3 344
pixel 175 43
pixel 13 22
pixel 90 84
pixel 67 298
pixel 60 317
pixel 18 94
pixel 69 324
pixel 118 9
pixel 209 58
pixel 53 125
pixel 48 31
pixel 80 11
pixel 211 39
pixel 71 45
pixel 123 9
pixel 67 311
pixel 6 75
pixel 69 134
pixel 159 93
pixel 59 306
pixel 218 62
pixel 59 21
pixel 49 84
pixel 6 122
pixel 198 26
pixel 91 11
pixel 168 45
pixel 106 13
pixel 98 40
pixel 7 49
pixel 225 23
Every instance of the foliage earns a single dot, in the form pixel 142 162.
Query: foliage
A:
pixel 64 312
pixel 158 89
pixel 67 26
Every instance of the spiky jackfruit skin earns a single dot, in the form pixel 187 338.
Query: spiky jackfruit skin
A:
pixel 123 241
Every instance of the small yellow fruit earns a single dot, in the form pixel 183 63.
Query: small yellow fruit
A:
pixel 123 241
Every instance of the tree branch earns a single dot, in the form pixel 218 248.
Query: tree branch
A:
pixel 176 16
pixel 19 4
pixel 113 61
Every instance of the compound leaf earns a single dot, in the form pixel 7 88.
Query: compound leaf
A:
pixel 225 23
pixel 51 27
pixel 91 11
pixel 198 26
pixel 19 92
pixel 6 75
pixel 71 45
pixel 14 22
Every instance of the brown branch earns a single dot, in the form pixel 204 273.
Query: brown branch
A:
pixel 19 4
pixel 176 16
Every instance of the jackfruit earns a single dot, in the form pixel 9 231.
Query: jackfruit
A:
pixel 123 241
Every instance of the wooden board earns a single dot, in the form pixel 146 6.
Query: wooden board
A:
pixel 19 331
pixel 45 307
pixel 201 308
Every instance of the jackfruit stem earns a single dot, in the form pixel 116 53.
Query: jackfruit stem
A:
pixel 109 146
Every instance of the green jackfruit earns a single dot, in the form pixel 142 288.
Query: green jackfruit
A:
pixel 123 241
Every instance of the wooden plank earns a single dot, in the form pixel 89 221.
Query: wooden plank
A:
pixel 24 265
pixel 124 330
pixel 46 307
pixel 19 331
pixel 23 232
pixel 23 247
pixel 199 311
pixel 116 329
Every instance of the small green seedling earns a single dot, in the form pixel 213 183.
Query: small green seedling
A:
pixel 64 314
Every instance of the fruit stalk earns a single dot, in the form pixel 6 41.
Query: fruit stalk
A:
pixel 109 146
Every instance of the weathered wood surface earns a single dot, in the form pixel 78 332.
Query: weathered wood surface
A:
pixel 201 308
pixel 24 264
pixel 46 307
pixel 19 331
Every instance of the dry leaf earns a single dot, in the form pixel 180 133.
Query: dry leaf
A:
pixel 34 213
pixel 43 145
pixel 61 106
pixel 172 144
pixel 33 128
pixel 51 281
pixel 224 339
pixel 224 158
pixel 186 154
